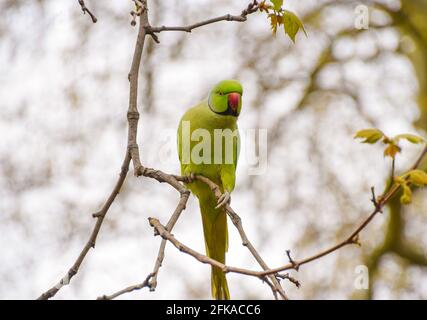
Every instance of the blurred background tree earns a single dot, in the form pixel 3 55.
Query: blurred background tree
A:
pixel 63 89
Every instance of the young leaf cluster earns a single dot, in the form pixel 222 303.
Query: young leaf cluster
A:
pixel 417 178
pixel 392 144
pixel 280 17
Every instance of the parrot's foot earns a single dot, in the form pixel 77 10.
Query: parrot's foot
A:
pixel 223 200
pixel 190 177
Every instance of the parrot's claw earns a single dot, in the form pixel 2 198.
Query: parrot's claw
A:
pixel 190 178
pixel 223 200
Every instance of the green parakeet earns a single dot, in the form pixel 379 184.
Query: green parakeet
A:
pixel 208 144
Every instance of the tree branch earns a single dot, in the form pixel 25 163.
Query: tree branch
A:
pixel 270 276
pixel 237 221
pixel 133 114
pixel 144 284
pixel 175 181
pixel 85 9
pixel 132 153
pixel 92 239
pixel 161 230
pixel 151 280
pixel 171 223
pixel 251 8
pixel 353 238
pixel 164 232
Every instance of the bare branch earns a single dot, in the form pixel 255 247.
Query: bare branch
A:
pixel 92 239
pixel 171 223
pixel 132 153
pixel 128 289
pixel 352 239
pixel 133 114
pixel 237 221
pixel 161 230
pixel 85 9
pixel 268 275
pixel 420 158
pixel 151 280
pixel 175 182
pixel 251 8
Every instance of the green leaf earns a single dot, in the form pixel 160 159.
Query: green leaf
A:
pixel 277 4
pixel 410 137
pixel 292 24
pixel 370 135
pixel 406 197
pixel 417 177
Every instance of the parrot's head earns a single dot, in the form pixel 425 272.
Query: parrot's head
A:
pixel 225 98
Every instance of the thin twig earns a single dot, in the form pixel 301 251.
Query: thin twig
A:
pixel 184 195
pixel 393 165
pixel 420 158
pixel 128 289
pixel 151 280
pixel 85 9
pixel 292 261
pixel 374 200
pixel 161 230
pixel 92 239
pixel 289 278
pixel 251 8
pixel 171 223
pixel 353 238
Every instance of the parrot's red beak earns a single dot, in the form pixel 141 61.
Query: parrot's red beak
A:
pixel 233 101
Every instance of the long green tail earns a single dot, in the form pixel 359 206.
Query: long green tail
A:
pixel 216 242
